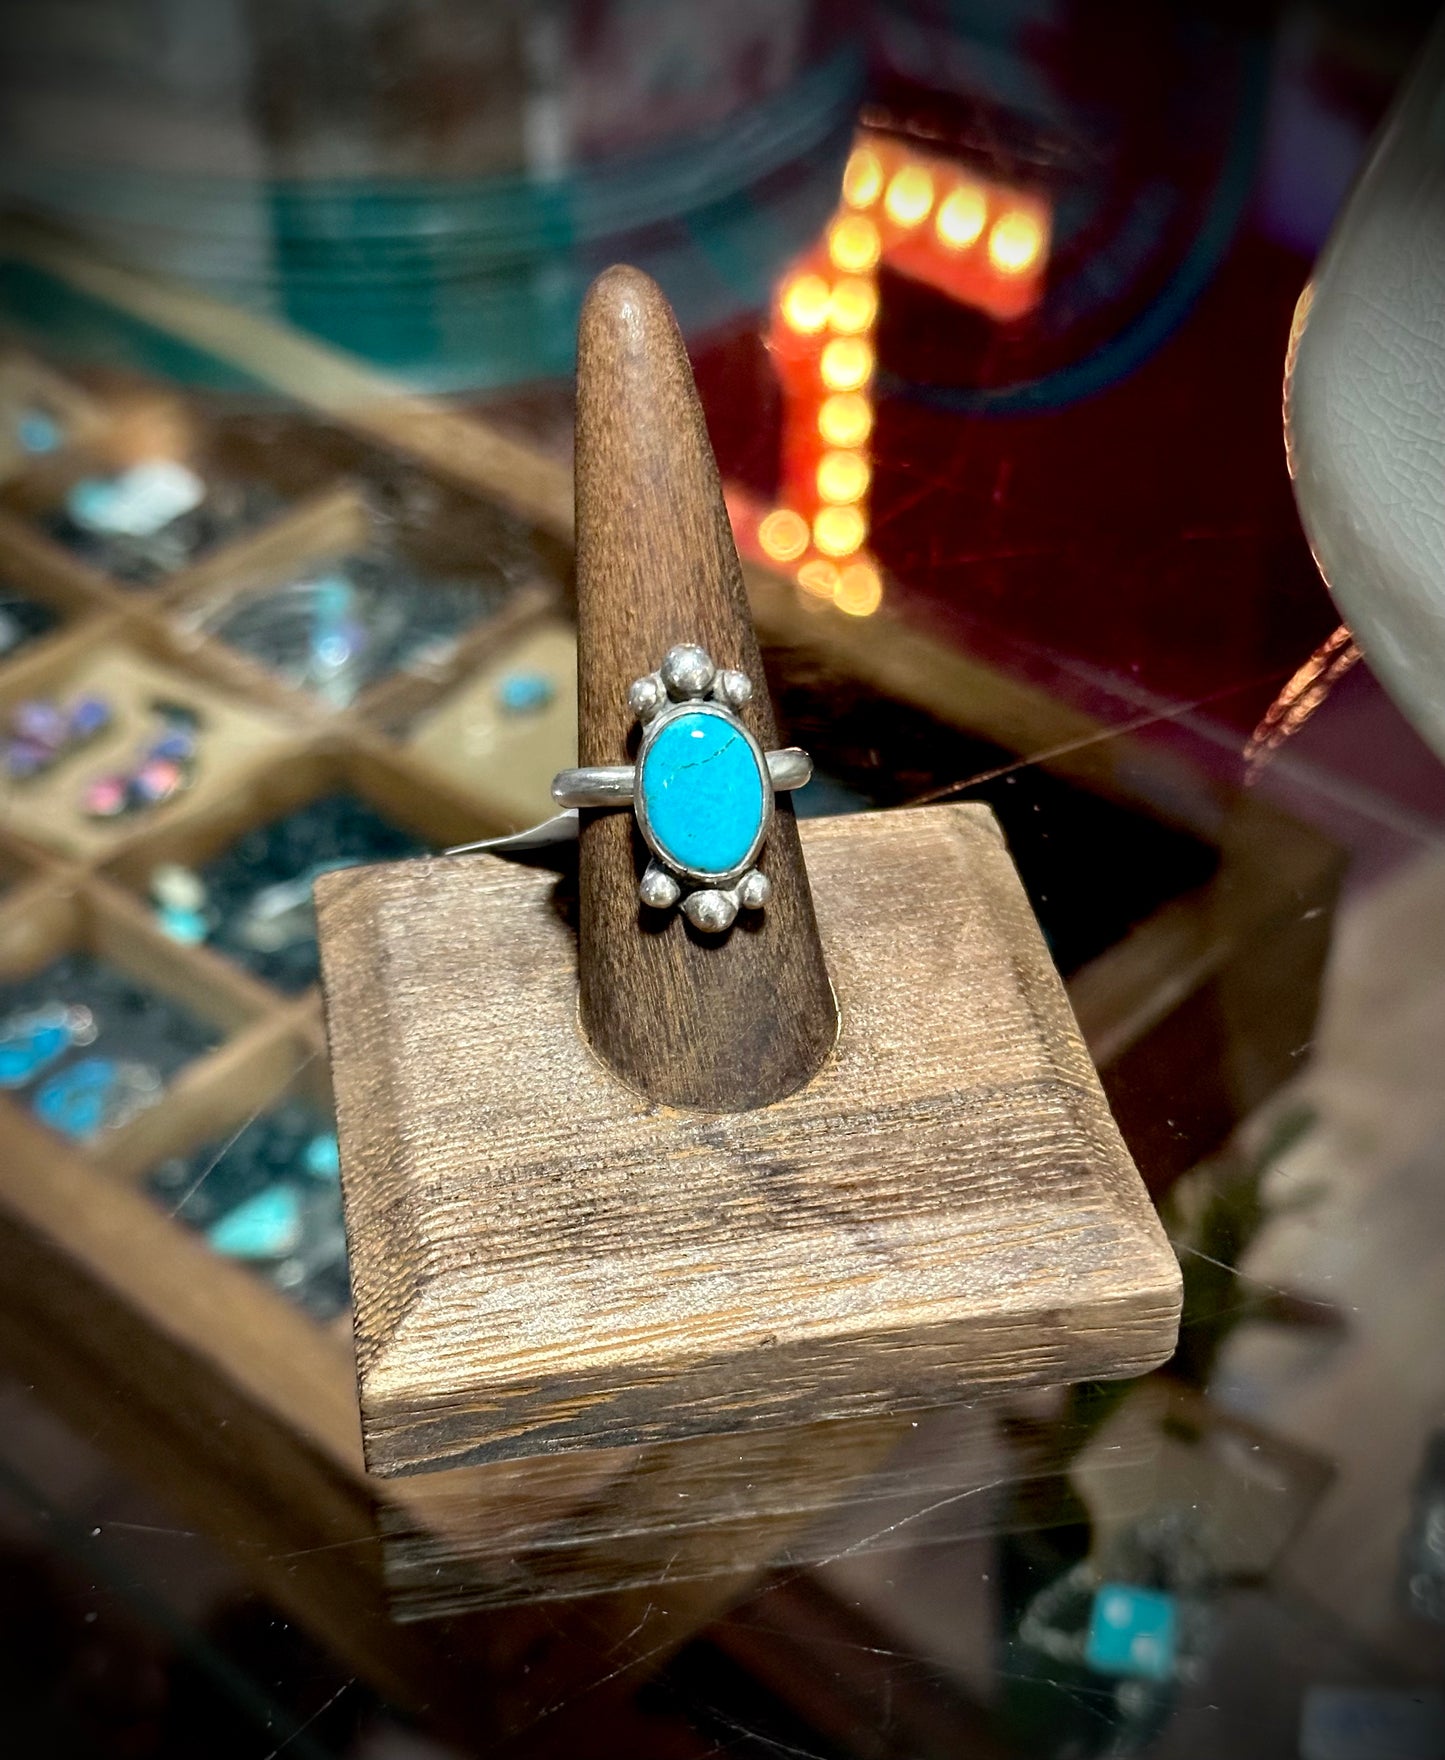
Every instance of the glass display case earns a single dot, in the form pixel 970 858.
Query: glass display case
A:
pixel 988 308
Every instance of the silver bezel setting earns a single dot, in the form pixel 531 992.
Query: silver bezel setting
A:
pixel 689 682
pixel 686 681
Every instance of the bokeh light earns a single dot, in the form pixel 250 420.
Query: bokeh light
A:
pixel 853 305
pixel 783 534
pixel 853 243
pixel 1015 243
pixel 846 364
pixel 845 419
pixel 839 531
pixel 862 178
pixel 842 476
pixel 961 216
pixel 859 591
pixel 819 578
pixel 910 196
pixel 807 303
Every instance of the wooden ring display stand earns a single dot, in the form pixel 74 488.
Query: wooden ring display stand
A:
pixel 631 1184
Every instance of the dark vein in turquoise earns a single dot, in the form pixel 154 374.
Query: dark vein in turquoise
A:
pixel 697 763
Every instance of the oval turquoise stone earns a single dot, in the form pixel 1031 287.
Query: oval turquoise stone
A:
pixel 703 792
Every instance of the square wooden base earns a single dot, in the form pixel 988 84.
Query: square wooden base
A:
pixel 542 1260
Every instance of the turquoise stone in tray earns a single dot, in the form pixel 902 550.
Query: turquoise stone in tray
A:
pixel 264 1227
pixel 703 792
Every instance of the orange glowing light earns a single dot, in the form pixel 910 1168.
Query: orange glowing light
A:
pixel 961 217
pixel 842 476
pixel 910 196
pixel 1015 243
pixel 806 303
pixel 845 419
pixel 853 305
pixel 853 243
pixel 839 531
pixel 859 591
pixel 819 578
pixel 862 178
pixel 783 534
pixel 846 364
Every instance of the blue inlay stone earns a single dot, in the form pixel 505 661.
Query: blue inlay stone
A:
pixel 29 1044
pixel 267 1226
pixel 1132 1632
pixel 38 432
pixel 703 793
pixel 97 1094
pixel 524 693
pixel 190 928
pixel 323 1156
pixel 75 1102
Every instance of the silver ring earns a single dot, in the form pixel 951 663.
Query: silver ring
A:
pixel 702 789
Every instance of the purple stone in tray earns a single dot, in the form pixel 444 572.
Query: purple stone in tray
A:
pixel 42 723
pixel 88 717
pixel 25 758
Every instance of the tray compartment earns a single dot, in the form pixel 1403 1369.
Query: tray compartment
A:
pixel 118 663
pixel 367 801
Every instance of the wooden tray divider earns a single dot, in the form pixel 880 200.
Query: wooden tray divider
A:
pixel 330 523
pixel 245 1334
pixel 208 970
pixel 83 417
pixel 323 522
pixel 89 916
pixel 38 926
pixel 216 1096
pixel 124 644
pixel 393 703
pixel 23 863
pixel 41 670
pixel 438 813
pixel 48 573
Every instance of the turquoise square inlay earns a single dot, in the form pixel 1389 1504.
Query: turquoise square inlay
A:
pixel 703 793
pixel 1131 1632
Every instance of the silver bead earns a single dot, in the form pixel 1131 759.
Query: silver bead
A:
pixel 710 911
pixel 687 671
pixel 733 688
pixel 658 888
pixel 754 890
pixel 646 696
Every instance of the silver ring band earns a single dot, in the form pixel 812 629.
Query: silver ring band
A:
pixel 613 785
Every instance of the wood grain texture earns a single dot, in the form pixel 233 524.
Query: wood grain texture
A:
pixel 542 1260
pixel 722 1022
